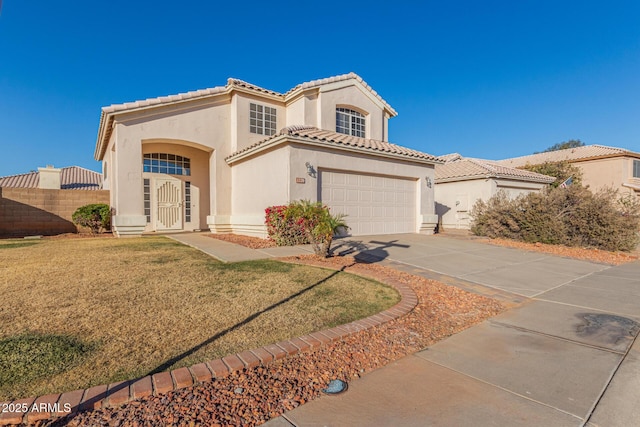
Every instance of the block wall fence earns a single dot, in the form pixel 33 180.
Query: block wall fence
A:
pixel 36 211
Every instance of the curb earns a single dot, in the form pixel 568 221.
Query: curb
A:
pixel 55 406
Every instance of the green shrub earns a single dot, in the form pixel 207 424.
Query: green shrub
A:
pixel 303 222
pixel 560 170
pixel 572 216
pixel 96 217
pixel 283 229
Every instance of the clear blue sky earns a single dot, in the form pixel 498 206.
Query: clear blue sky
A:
pixel 489 79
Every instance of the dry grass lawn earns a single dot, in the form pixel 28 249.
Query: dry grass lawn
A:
pixel 128 307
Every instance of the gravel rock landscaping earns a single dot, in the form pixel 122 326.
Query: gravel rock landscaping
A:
pixel 587 254
pixel 253 396
pixel 247 241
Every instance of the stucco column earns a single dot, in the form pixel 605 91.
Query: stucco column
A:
pixel 428 217
pixel 219 218
pixel 129 219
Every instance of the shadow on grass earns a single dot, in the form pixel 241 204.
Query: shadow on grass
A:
pixel 166 365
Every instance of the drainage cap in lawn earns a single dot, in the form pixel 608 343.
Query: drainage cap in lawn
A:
pixel 336 387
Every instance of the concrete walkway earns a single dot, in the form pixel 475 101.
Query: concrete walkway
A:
pixel 564 356
pixel 230 252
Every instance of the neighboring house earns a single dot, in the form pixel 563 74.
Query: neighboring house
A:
pixel 460 182
pixel 601 166
pixel 216 158
pixel 69 178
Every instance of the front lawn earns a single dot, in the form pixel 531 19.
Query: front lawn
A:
pixel 82 312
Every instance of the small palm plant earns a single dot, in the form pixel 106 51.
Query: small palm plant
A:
pixel 319 224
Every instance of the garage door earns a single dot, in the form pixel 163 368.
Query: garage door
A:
pixel 373 204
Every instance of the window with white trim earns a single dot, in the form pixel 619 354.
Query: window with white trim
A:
pixel 636 168
pixel 350 122
pixel 166 163
pixel 262 119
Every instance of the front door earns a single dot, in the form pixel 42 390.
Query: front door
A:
pixel 169 204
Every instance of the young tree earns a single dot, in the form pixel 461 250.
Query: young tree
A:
pixel 560 170
pixel 572 143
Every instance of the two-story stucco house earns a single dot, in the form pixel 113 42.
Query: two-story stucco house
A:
pixel 216 158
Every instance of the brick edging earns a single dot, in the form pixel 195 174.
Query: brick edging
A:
pixel 115 394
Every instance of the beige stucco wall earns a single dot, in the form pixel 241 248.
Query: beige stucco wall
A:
pixel 108 165
pixel 515 188
pixel 351 97
pixel 261 182
pixel 241 136
pixel 454 200
pixel 303 110
pixel 612 173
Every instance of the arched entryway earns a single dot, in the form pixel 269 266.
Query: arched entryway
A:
pixel 176 185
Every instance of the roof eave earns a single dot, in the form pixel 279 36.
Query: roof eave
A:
pixel 525 179
pixel 323 144
pixel 100 141
pixel 496 176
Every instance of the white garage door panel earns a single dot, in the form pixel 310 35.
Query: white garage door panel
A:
pixel 373 204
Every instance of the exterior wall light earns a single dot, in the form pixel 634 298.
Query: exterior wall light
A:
pixel 310 170
pixel 428 180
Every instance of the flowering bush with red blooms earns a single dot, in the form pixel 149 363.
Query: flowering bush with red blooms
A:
pixel 283 228
pixel 303 222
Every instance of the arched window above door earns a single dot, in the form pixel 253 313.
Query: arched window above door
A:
pixel 170 164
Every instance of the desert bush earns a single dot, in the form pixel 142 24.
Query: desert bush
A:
pixel 97 217
pixel 572 216
pixel 497 217
pixel 304 222
pixel 283 228
pixel 560 170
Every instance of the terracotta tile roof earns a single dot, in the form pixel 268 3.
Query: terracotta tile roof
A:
pixel 114 108
pixel 570 154
pixel 467 168
pixel 71 178
pixel 250 86
pixel 339 140
pixel 450 157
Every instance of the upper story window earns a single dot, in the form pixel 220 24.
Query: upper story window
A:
pixel 262 119
pixel 350 122
pixel 166 163
pixel 636 168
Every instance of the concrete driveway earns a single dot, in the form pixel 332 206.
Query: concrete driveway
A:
pixel 564 356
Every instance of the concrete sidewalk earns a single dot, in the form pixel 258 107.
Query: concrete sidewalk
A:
pixel 230 252
pixel 565 357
